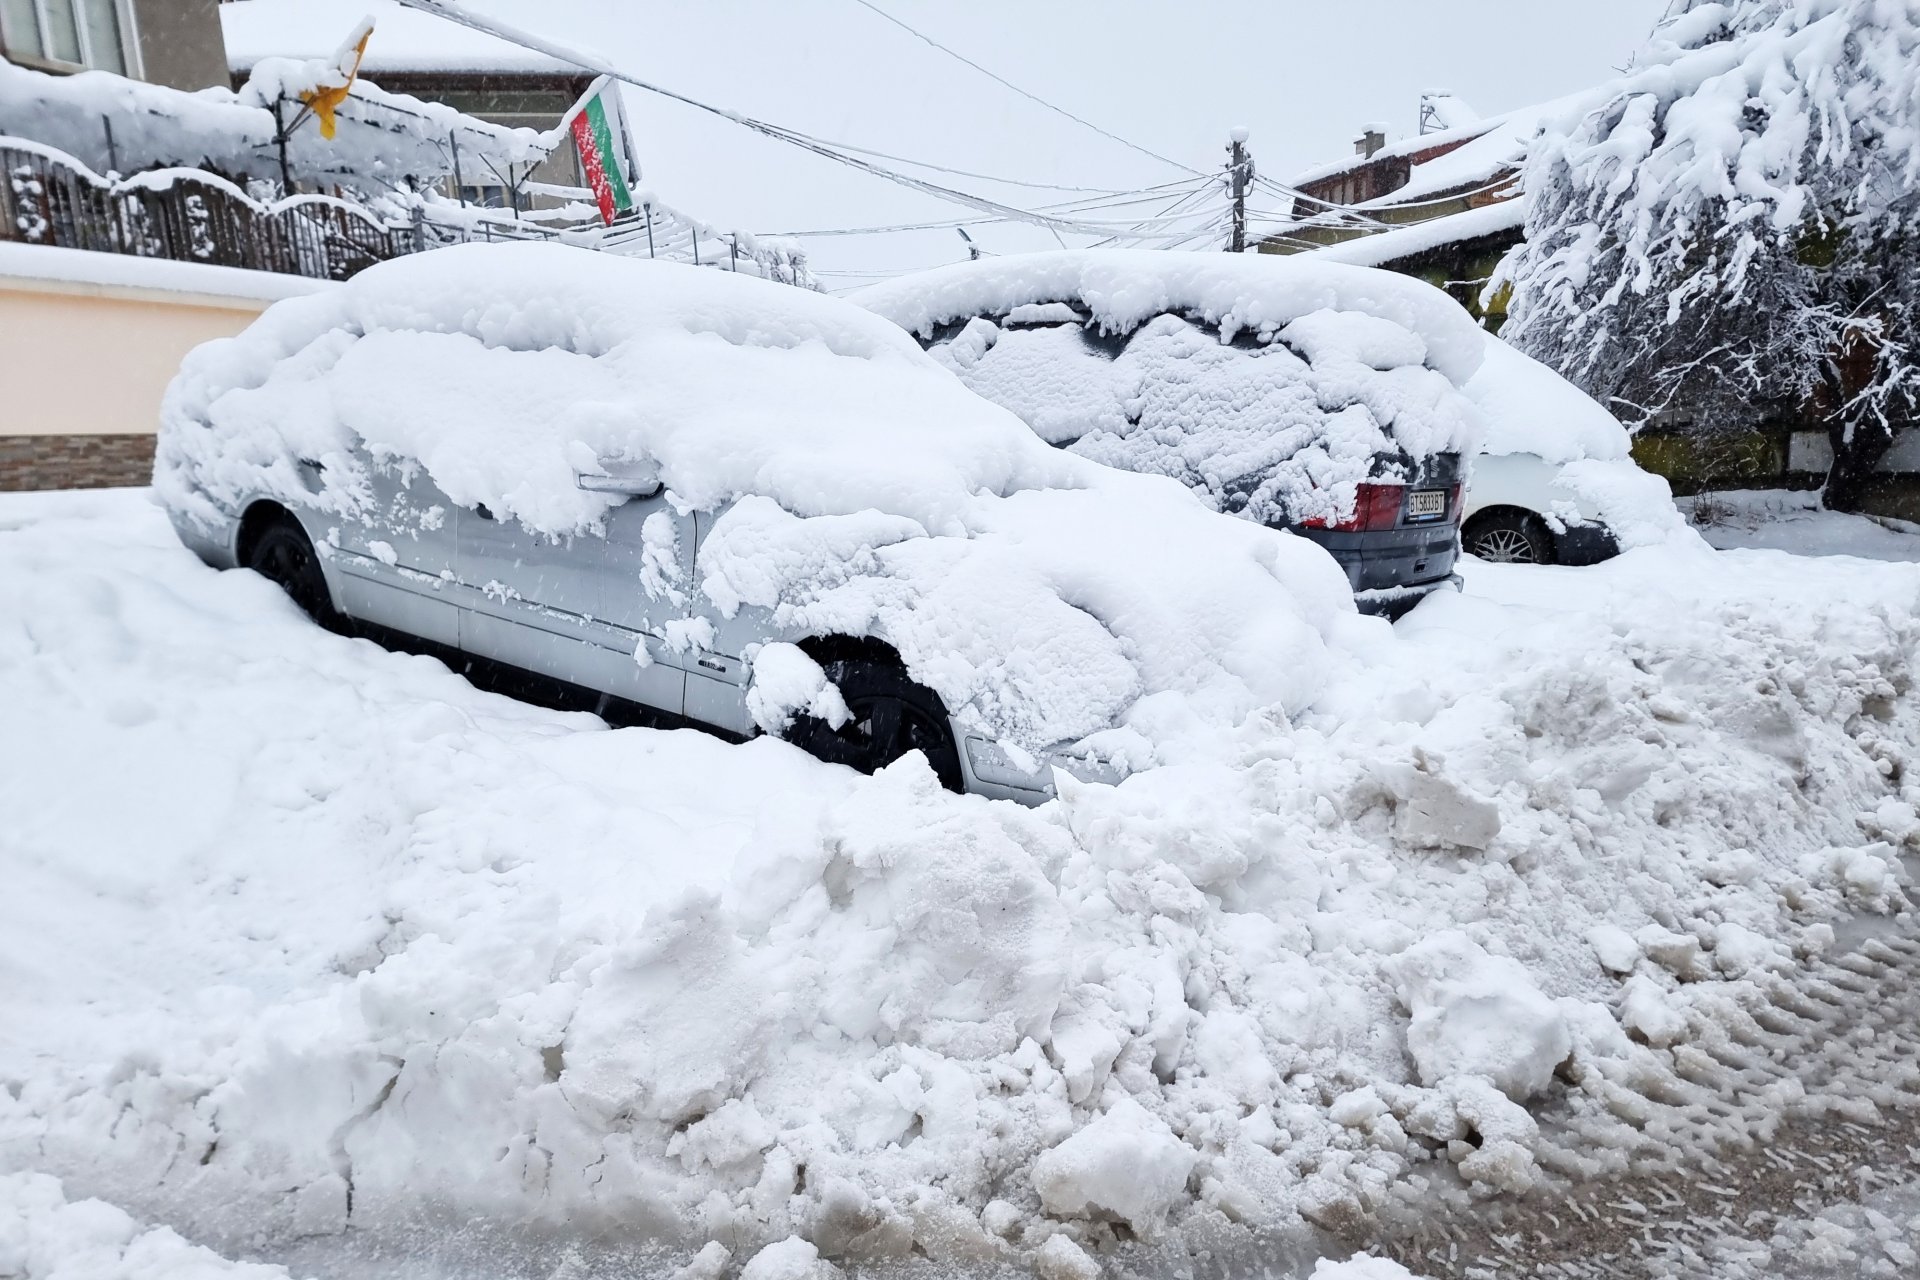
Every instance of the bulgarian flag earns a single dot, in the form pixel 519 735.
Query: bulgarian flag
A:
pixel 594 123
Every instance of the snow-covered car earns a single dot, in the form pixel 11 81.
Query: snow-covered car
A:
pixel 740 503
pixel 1309 396
pixel 1555 482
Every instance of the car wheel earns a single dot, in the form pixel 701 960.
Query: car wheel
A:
pixel 890 716
pixel 283 554
pixel 1508 537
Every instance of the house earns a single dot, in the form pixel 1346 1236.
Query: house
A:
pixel 168 42
pixel 57 304
pixel 425 57
pixel 108 277
pixel 1444 205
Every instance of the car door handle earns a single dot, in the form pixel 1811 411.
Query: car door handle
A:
pixel 711 664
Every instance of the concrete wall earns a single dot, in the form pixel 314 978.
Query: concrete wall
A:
pixel 180 42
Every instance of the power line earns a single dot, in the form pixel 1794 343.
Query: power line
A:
pixel 1032 97
pixel 833 151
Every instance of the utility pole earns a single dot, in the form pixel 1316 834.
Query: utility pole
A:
pixel 1239 177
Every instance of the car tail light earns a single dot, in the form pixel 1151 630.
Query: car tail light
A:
pixel 1459 501
pixel 1375 506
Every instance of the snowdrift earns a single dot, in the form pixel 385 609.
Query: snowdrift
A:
pixel 300 933
pixel 860 490
pixel 1270 387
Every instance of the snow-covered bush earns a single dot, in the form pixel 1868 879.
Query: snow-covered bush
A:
pixel 1734 235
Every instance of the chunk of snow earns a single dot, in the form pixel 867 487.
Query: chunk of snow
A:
pixel 1061 1259
pixel 1614 947
pixel 789 1259
pixel 1646 1008
pixel 787 682
pixel 1477 1014
pixel 1126 1163
pixel 1361 1266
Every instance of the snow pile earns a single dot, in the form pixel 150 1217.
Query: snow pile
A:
pixel 302 934
pixel 44 1236
pixel 1270 387
pixel 859 489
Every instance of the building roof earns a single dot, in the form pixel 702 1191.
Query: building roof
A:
pixel 403 39
pixel 1475 154
pixel 1387 248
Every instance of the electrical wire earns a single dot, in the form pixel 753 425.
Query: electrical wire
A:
pixel 833 151
pixel 1031 97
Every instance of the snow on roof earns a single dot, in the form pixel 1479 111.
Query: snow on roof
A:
pixel 1121 288
pixel 1481 151
pixel 382 139
pixel 1385 247
pixel 858 488
pixel 1449 110
pixel 403 39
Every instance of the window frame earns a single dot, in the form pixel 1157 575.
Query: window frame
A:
pixel 123 14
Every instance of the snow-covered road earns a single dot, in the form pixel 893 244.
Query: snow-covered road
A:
pixel 312 952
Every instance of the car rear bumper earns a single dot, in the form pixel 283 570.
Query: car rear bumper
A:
pixel 1394 602
pixel 1410 559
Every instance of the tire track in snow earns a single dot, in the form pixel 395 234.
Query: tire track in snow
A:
pixel 1807 1099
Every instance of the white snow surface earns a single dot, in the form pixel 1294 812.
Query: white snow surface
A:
pixel 1123 288
pixel 861 490
pixel 1338 366
pixel 300 933
pixel 124 271
pixel 1528 408
pixel 1793 520
pixel 45 1236
pixel 1381 248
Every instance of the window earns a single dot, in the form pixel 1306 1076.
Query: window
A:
pixel 74 33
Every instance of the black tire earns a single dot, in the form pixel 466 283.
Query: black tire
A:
pixel 1508 537
pixel 891 716
pixel 283 554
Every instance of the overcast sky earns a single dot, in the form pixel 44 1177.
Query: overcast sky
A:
pixel 1170 75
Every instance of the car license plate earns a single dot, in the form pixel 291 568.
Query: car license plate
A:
pixel 1426 504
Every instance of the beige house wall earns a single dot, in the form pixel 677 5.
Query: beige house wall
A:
pixel 86 359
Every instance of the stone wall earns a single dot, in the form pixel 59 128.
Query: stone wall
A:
pixel 75 462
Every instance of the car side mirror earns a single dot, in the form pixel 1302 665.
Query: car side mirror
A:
pixel 621 475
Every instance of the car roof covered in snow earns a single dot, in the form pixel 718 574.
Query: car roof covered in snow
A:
pixel 1272 388
pixel 857 488
pixel 1528 408
pixel 1122 288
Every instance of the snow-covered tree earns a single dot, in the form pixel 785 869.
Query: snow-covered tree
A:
pixel 1734 234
